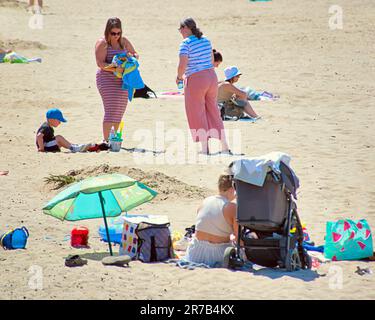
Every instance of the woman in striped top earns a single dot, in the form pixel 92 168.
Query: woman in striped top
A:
pixel 200 86
pixel 115 99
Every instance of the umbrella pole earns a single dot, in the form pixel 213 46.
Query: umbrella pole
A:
pixel 105 222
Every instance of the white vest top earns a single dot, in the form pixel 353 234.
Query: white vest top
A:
pixel 211 219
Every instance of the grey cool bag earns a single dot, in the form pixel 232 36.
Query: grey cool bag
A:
pixel 154 242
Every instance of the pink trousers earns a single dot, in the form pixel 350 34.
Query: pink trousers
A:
pixel 201 106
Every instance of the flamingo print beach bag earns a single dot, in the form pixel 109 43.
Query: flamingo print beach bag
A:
pixel 348 240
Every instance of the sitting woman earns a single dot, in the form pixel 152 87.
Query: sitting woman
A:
pixel 228 91
pixel 215 222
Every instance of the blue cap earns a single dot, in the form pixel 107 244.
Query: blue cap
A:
pixel 55 114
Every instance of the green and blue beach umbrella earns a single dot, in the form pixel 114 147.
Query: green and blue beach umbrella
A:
pixel 99 197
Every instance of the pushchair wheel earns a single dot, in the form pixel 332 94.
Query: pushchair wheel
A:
pixel 292 261
pixel 229 256
pixel 308 260
pixel 231 261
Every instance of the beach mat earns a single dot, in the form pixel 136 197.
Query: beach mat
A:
pixel 170 94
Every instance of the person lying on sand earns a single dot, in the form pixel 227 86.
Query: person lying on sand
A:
pixel 8 55
pixel 46 141
pixel 227 91
pixel 215 223
pixel 3 52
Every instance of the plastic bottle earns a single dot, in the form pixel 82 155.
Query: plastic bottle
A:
pixel 180 84
pixel 112 133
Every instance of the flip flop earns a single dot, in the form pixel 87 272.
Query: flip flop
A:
pixel 4 173
pixel 119 261
pixel 227 152
pixel 363 271
pixel 75 261
pixel 204 153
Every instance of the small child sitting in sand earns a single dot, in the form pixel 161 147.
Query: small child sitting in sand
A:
pixel 46 140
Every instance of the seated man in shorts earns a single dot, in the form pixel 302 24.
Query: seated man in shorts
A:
pixel 227 90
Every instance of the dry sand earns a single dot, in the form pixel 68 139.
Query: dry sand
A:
pixel 324 120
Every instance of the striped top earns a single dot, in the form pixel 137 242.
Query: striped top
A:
pixel 199 53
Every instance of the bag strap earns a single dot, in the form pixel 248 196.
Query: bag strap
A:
pixel 170 247
pixel 146 225
pixel 26 231
pixel 153 254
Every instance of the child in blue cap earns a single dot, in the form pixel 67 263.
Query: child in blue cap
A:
pixel 46 140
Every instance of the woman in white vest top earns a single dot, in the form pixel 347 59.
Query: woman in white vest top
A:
pixel 215 223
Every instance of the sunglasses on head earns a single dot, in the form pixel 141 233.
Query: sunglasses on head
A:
pixel 115 33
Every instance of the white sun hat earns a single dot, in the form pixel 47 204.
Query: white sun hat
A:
pixel 231 72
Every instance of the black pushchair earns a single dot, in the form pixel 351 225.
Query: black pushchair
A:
pixel 271 213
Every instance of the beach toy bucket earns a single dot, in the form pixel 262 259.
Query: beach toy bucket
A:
pixel 14 239
pixel 79 237
pixel 115 144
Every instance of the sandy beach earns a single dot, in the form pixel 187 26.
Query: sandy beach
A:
pixel 324 120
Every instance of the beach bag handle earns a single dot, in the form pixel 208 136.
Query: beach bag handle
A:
pixel 26 231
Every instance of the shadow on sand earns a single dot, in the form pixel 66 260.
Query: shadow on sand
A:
pixel 138 150
pixel 305 275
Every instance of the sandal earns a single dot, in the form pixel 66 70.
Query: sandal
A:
pixel 204 153
pixel 75 261
pixel 363 271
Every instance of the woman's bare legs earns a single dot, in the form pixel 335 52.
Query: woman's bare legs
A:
pixel 32 3
pixel 34 7
pixel 107 128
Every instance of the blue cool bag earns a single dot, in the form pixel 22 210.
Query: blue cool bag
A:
pixel 14 239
